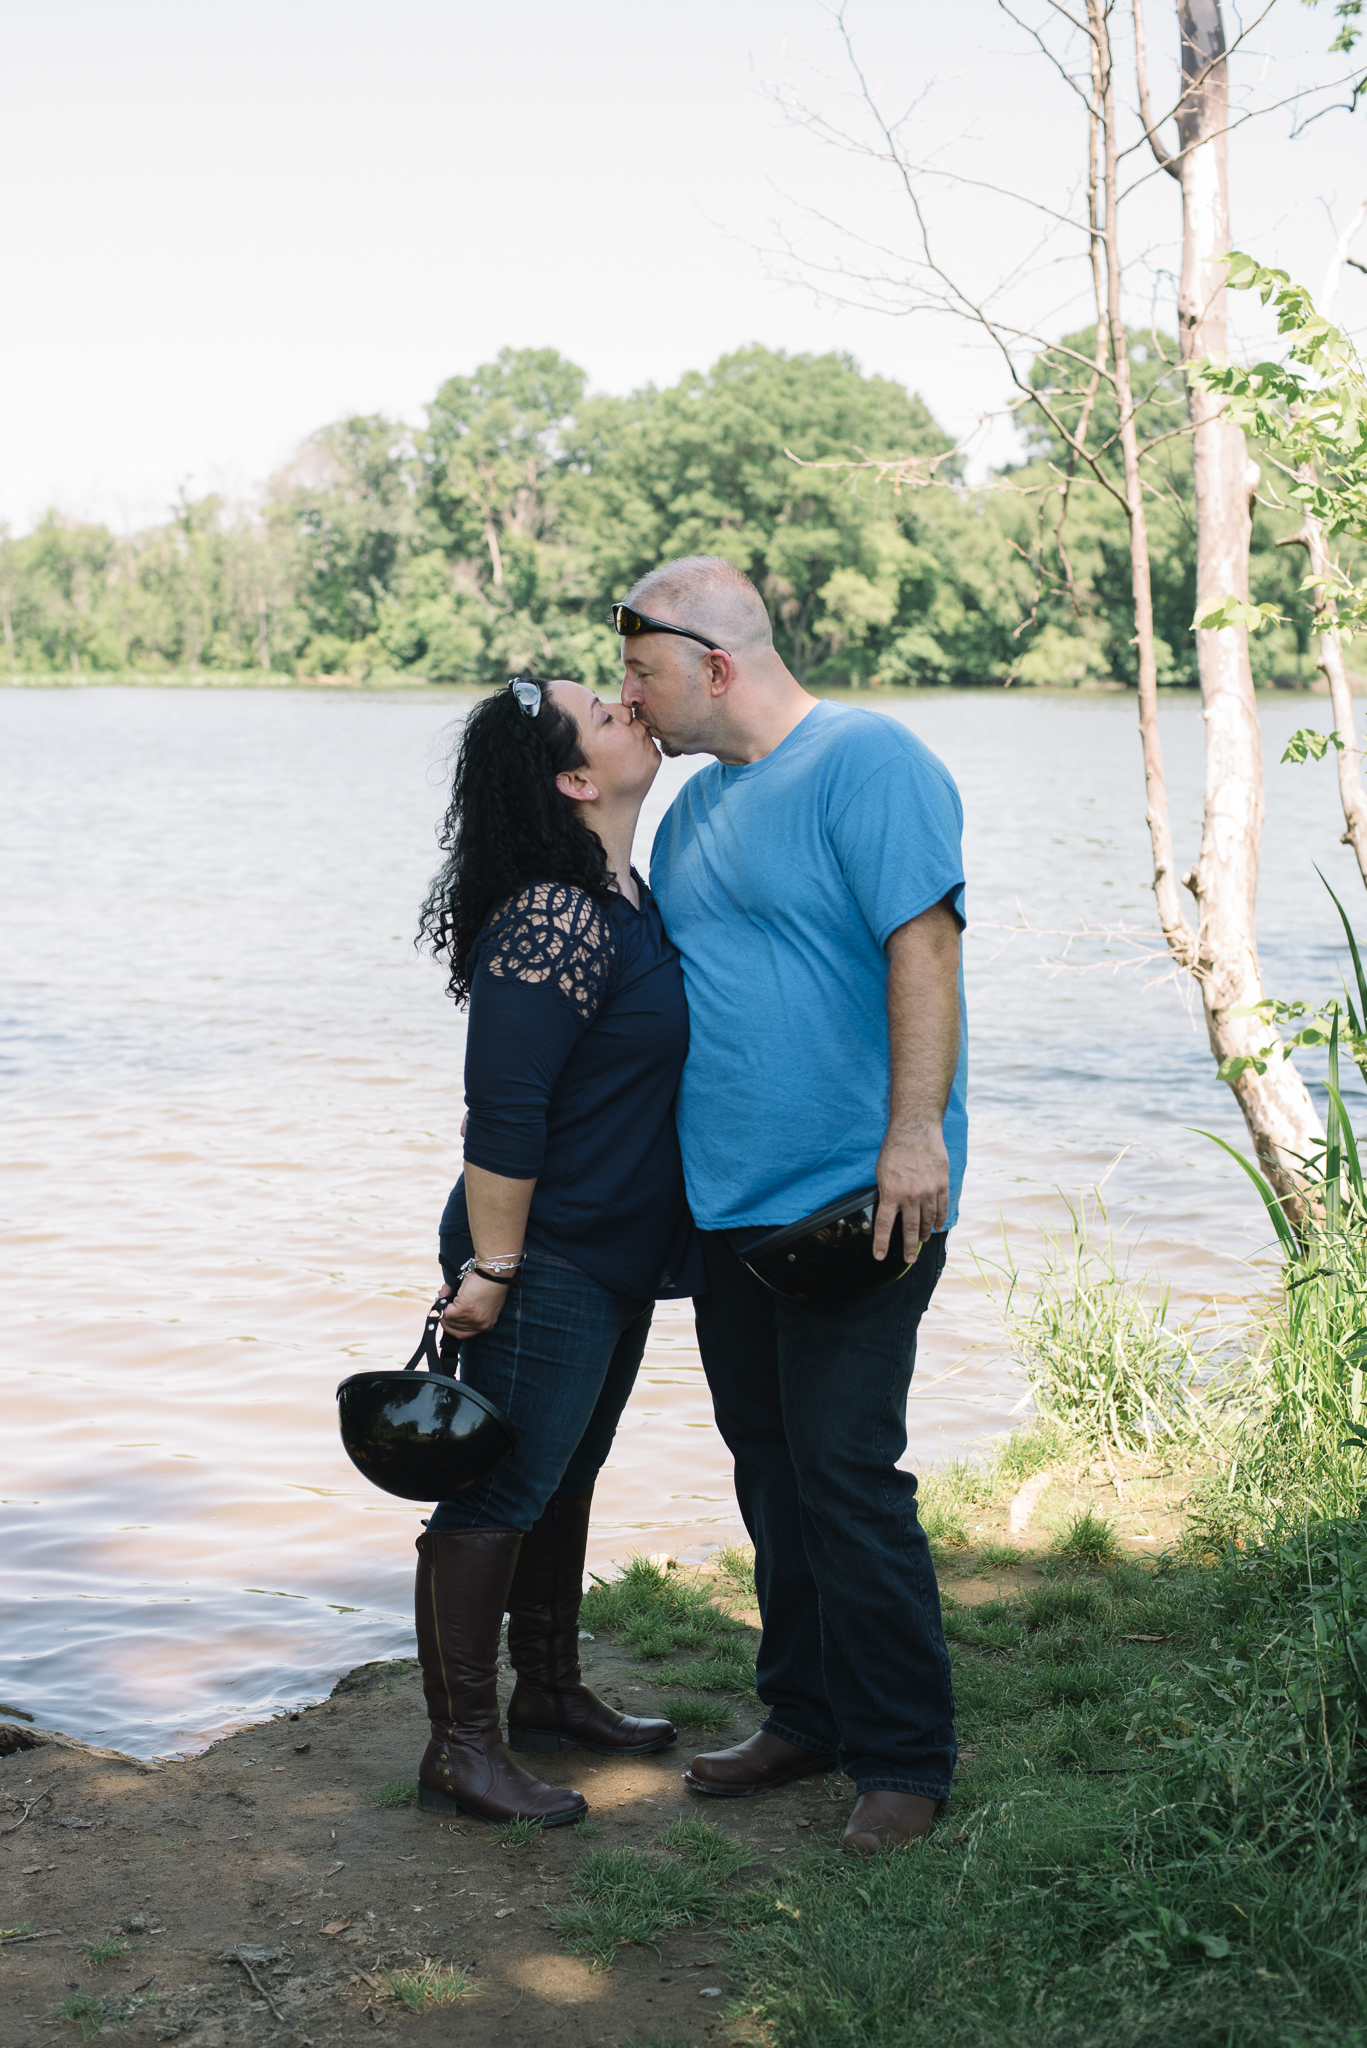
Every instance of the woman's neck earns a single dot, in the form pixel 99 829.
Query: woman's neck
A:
pixel 616 828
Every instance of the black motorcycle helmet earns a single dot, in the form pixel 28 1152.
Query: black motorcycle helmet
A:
pixel 828 1256
pixel 422 1436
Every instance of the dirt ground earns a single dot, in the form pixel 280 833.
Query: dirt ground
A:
pixel 320 1889
pixel 197 1864
pixel 1142 1500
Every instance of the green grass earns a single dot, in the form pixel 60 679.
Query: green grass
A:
pixel 398 1792
pixel 735 1563
pixel 435 1984
pixel 1075 1603
pixel 517 1834
pixel 94 2015
pixel 1103 1360
pixel 707 1847
pixel 1155 1842
pixel 717 1674
pixel 660 1608
pixel 1088 1538
pixel 945 1527
pixel 1302 1451
pixel 691 1710
pixel 624 1897
pixel 107 1951
pixel 949 1498
pixel 996 1557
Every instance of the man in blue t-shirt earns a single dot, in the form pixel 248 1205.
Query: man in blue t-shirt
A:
pixel 812 881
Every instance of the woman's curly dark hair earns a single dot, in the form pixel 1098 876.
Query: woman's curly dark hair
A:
pixel 506 825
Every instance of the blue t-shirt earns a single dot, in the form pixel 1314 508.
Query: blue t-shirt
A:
pixel 780 882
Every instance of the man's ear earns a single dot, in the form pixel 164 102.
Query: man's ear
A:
pixel 721 671
pixel 576 785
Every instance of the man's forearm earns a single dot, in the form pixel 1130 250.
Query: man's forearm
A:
pixel 923 1041
pixel 923 1018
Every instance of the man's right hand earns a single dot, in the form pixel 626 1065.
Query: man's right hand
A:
pixel 475 1309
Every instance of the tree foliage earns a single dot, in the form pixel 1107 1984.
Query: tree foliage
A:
pixel 1309 411
pixel 495 535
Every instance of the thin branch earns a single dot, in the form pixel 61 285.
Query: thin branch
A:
pixel 819 124
pixel 1334 274
pixel 238 1957
pixel 1036 36
pixel 1163 156
pixel 28 1806
pixel 1194 85
pixel 1096 252
pixel 1231 127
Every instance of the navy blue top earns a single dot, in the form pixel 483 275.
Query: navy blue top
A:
pixel 577 1037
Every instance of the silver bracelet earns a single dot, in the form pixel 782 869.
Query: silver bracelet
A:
pixel 503 1274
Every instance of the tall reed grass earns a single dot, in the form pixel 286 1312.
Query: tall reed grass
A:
pixel 1303 1455
pixel 1104 1360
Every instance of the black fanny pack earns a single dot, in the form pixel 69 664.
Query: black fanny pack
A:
pixel 827 1256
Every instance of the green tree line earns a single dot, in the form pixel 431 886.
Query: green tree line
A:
pixel 494 536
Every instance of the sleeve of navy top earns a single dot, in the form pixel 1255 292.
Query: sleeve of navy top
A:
pixel 544 967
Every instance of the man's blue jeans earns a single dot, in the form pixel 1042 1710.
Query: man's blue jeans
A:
pixel 812 1403
pixel 560 1362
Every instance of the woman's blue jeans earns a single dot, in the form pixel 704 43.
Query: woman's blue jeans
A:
pixel 560 1362
pixel 812 1402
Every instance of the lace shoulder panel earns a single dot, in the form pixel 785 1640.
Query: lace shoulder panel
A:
pixel 551 931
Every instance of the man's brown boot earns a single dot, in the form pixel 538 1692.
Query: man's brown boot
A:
pixel 462 1589
pixel 888 1820
pixel 760 1764
pixel 551 1707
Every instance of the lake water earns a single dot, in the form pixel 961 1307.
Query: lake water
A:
pixel 232 1104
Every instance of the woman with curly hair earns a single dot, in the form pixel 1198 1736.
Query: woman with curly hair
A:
pixel 567 1224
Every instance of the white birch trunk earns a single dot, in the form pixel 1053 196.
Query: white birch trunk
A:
pixel 1329 654
pixel 1276 1106
pixel 1329 662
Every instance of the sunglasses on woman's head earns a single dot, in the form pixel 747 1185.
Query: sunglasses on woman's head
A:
pixel 527 694
pixel 627 621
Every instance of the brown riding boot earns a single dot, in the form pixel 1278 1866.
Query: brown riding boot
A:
pixel 551 1707
pixel 462 1589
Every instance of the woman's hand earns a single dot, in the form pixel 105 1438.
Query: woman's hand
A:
pixel 475 1309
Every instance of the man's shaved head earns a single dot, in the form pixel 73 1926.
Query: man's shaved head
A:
pixel 709 594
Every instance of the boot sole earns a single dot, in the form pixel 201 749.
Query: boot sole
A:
pixel 431 1801
pixel 752 1790
pixel 543 1739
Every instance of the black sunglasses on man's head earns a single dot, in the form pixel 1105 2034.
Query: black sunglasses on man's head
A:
pixel 627 621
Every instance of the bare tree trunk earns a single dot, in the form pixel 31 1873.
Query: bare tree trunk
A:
pixel 1330 664
pixel 1329 660
pixel 1224 881
pixel 1106 237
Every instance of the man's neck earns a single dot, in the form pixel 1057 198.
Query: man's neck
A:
pixel 756 720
